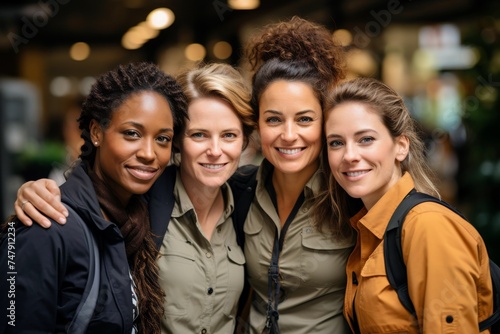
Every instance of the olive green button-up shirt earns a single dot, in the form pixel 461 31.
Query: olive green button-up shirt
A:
pixel 312 266
pixel 202 279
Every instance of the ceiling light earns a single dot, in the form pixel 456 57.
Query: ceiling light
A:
pixel 132 41
pixel 342 36
pixel 243 4
pixel 222 50
pixel 160 18
pixel 60 86
pixel 195 52
pixel 79 51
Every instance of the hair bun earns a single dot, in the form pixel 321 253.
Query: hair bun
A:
pixel 297 40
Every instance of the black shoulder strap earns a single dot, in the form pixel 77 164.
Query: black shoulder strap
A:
pixel 494 319
pixel 85 310
pixel 243 184
pixel 161 203
pixel 395 266
pixel 393 255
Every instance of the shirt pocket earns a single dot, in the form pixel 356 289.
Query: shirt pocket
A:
pixel 178 274
pixel 378 307
pixel 236 274
pixel 323 259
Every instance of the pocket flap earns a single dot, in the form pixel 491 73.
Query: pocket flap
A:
pixel 235 254
pixel 252 226
pixel 175 247
pixel 314 239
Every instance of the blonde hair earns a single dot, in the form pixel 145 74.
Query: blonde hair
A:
pixel 222 81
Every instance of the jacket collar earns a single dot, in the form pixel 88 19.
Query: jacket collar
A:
pixel 78 192
pixel 377 218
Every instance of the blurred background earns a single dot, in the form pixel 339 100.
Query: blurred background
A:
pixel 443 56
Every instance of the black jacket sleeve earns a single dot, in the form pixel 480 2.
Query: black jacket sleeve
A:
pixel 45 271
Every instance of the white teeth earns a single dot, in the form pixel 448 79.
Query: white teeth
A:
pixel 210 166
pixel 355 173
pixel 290 151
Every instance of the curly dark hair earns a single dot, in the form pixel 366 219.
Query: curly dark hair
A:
pixel 298 50
pixel 114 87
pixel 106 95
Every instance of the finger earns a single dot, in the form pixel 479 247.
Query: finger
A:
pixel 40 201
pixel 36 216
pixel 25 220
pixel 55 201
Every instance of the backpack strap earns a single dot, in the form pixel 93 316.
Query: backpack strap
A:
pixel 393 254
pixel 396 268
pixel 85 310
pixel 495 317
pixel 161 204
pixel 243 184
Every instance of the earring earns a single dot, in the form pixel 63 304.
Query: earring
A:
pixel 96 143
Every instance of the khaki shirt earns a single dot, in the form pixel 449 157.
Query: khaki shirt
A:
pixel 202 279
pixel 448 270
pixel 312 267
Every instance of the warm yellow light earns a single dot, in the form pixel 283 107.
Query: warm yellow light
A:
pixel 222 50
pixel 145 30
pixel 160 18
pixel 195 52
pixel 131 41
pixel 342 36
pixel 79 51
pixel 243 4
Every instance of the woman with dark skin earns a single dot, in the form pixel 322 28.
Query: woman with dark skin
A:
pixel 127 122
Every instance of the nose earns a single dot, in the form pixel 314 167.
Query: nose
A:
pixel 351 153
pixel 214 148
pixel 147 150
pixel 289 131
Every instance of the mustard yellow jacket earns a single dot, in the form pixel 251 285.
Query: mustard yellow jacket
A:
pixel 448 272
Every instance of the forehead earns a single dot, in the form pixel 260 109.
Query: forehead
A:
pixel 289 96
pixel 211 112
pixel 143 105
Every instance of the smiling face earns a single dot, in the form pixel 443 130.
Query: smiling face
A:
pixel 135 148
pixel 290 119
pixel 211 144
pixel 362 155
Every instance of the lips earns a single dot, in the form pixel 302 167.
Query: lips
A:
pixel 356 173
pixel 213 166
pixel 289 151
pixel 143 173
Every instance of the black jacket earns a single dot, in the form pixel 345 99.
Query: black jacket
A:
pixel 50 269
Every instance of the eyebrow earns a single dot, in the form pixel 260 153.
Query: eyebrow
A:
pixel 357 133
pixel 206 130
pixel 141 126
pixel 302 112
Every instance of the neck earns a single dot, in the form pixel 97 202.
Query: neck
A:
pixel 208 204
pixel 288 188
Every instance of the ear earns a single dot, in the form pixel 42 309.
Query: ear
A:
pixel 402 147
pixel 96 134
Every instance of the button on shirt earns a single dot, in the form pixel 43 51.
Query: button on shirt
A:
pixel 202 279
pixel 312 266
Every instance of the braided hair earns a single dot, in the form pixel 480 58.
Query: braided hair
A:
pixel 106 95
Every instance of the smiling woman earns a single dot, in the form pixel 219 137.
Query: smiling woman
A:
pixel 127 124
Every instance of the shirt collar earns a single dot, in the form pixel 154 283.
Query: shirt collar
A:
pixel 377 218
